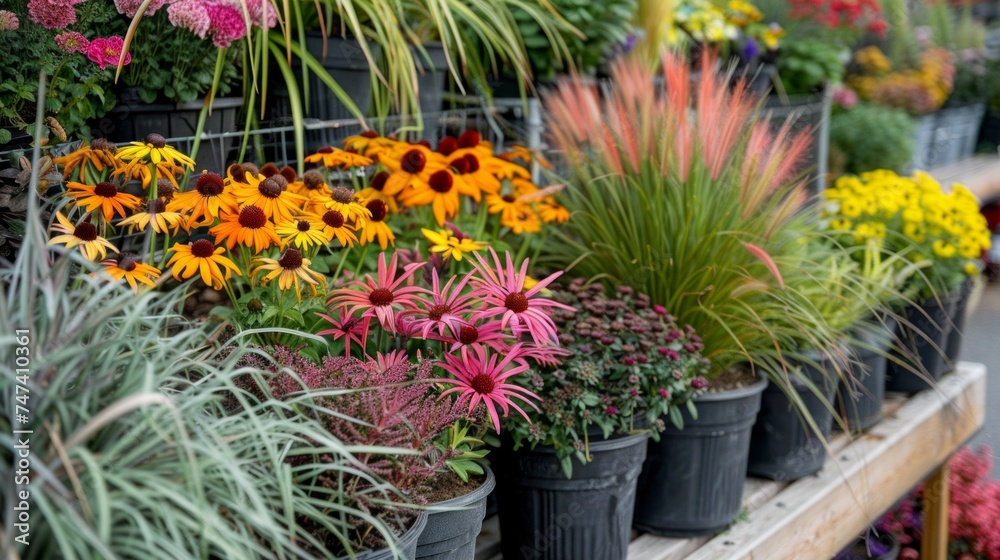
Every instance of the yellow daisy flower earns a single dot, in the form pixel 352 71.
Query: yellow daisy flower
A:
pixel 335 227
pixel 140 172
pixel 303 231
pixel 375 190
pixel 345 201
pixel 369 144
pixel 206 202
pixel 153 150
pixel 449 245
pixel 248 227
pixel 289 269
pixel 202 258
pixel 99 154
pixel 84 235
pixel 332 157
pixel 269 194
pixel 127 266
pixel 375 227
pixel 157 215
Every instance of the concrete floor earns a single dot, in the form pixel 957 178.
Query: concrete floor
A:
pixel 982 344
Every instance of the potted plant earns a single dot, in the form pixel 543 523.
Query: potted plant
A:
pixel 682 204
pixel 624 364
pixel 866 136
pixel 943 234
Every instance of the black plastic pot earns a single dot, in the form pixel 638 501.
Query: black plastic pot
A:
pixel 884 546
pixel 452 525
pixel 545 516
pixel 782 445
pixel 953 347
pixel 861 396
pixel 407 544
pixel 692 481
pixel 920 343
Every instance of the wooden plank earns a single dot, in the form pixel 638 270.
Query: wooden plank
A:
pixel 937 495
pixel 817 516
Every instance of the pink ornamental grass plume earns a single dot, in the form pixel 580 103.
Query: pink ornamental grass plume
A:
pixel 72 42
pixel 381 297
pixel 9 21
pixel 53 14
pixel 501 288
pixel 106 51
pixel 480 376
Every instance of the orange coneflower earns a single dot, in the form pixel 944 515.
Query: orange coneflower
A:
pixel 506 205
pixel 248 227
pixel 526 155
pixel 473 177
pixel 209 198
pixel 84 234
pixel 375 227
pixel 550 211
pixel 303 231
pixel 164 170
pixel 269 194
pixel 289 268
pixel 375 189
pixel 369 144
pixel 411 165
pixel 335 227
pixel 157 215
pixel 347 202
pixel 525 220
pixel 441 193
pixel 312 183
pixel 153 150
pixel 99 153
pixel 471 142
pixel 105 196
pixel 332 157
pixel 129 267
pixel 204 258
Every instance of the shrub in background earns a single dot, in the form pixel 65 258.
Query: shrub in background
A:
pixel 868 137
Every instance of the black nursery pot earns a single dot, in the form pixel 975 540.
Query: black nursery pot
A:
pixel 884 546
pixel 692 481
pixel 922 335
pixel 407 543
pixel 783 446
pixel 545 516
pixel 953 348
pixel 451 535
pixel 861 396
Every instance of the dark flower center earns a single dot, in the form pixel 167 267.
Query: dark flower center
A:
pixel 269 170
pixel 377 208
pixel 236 170
pixel 303 225
pixel 472 162
pixel 156 140
pixel 414 161
pixel 509 198
pixel 103 144
pixel 380 297
pixel 438 311
pixel 469 139
pixel 369 134
pixel 516 302
pixel 252 217
pixel 202 249
pixel 289 174
pixel 165 189
pixel 468 334
pixel 86 231
pixel 483 384
pixel 343 195
pixel 325 150
pixel 106 190
pixel 313 179
pixel 210 184
pixel 255 306
pixel 460 165
pixel 441 181
pixel 333 219
pixel 378 181
pixel 251 168
pixel 291 259
pixel 447 145
pixel 270 188
pixel 127 261
pixel 156 206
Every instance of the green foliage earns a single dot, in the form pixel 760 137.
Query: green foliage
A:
pixel 806 66
pixel 466 451
pixel 872 137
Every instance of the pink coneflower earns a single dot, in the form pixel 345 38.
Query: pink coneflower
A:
pixel 503 293
pixel 351 329
pixel 382 297
pixel 480 376
pixel 106 51
pixel 548 356
pixel 72 42
pixel 445 309
pixel 490 334
pixel 384 362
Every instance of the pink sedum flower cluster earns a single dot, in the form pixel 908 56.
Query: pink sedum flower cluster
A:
pixel 72 42
pixel 130 7
pixel 224 21
pixel 9 21
pixel 53 14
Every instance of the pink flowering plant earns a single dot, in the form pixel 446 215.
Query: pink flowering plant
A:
pixel 628 366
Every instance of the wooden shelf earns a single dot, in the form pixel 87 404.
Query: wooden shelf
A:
pixel 817 516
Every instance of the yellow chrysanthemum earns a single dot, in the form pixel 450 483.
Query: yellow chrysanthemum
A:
pixel 943 249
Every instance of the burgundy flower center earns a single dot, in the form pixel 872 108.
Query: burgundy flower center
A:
pixel 414 161
pixel 165 189
pixel 269 188
pixel 472 162
pixel 333 219
pixel 425 143
pixel 255 306
pixel 303 225
pixel 289 174
pixel 343 195
pixel 103 144
pixel 468 334
pixel 325 150
pixel 236 171
pixel 210 184
pixel 516 302
pixel 378 181
pixel 380 297
pixel 291 259
pixel 107 190
pixel 438 311
pixel 86 231
pixel 483 384
pixel 313 179
pixel 251 168
pixel 350 324
pixel 127 262
pixel 377 208
pixel 202 249
pixel 469 139
pixel 269 169
pixel 460 165
pixel 447 145
pixel 509 198
pixel 369 134
pixel 441 181
pixel 157 206
pixel 252 217
pixel 156 140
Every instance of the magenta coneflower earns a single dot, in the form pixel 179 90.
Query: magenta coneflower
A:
pixel 490 334
pixel 381 297
pixel 479 376
pixel 350 328
pixel 446 308
pixel 503 293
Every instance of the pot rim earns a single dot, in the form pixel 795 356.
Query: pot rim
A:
pixel 734 394
pixel 465 500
